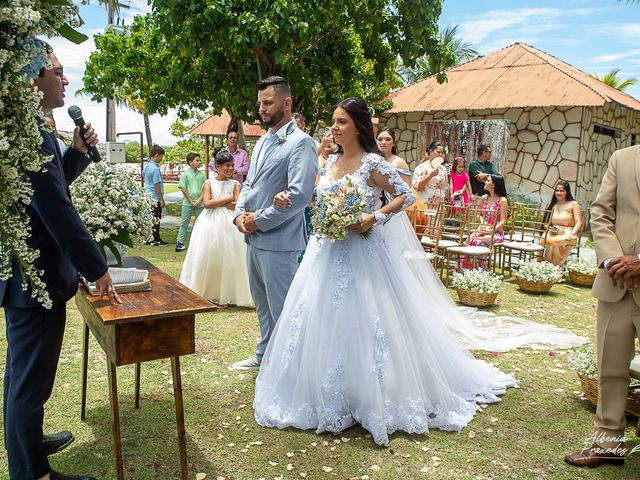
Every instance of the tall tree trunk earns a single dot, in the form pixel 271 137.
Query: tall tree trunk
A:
pixel 147 129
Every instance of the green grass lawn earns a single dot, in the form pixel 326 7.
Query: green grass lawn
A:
pixel 523 437
pixel 170 187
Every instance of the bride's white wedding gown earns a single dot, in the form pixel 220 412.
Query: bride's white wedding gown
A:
pixel 356 344
pixel 477 330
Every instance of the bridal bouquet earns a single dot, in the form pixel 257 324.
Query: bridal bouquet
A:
pixel 337 208
pixel 113 207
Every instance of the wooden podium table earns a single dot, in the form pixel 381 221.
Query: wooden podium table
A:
pixel 148 326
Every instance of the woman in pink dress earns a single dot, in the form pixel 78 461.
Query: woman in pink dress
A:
pixel 459 185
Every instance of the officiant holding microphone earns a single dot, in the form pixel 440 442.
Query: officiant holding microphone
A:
pixel 34 333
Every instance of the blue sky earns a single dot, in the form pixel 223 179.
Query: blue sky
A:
pixel 592 35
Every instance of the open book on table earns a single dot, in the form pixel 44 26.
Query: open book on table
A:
pixel 125 280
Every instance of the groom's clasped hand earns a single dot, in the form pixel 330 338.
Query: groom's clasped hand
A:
pixel 246 223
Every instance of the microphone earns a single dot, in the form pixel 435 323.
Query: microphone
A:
pixel 76 115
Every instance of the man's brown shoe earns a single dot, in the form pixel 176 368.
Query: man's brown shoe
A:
pixel 594 456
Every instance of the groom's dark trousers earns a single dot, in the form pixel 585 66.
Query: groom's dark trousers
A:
pixel 34 333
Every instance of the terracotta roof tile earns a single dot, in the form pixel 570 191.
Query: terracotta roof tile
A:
pixel 217 125
pixel 516 76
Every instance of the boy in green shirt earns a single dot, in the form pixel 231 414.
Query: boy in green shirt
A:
pixel 191 184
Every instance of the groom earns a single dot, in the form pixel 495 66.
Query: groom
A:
pixel 284 159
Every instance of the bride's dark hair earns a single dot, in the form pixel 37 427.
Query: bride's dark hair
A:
pixel 361 114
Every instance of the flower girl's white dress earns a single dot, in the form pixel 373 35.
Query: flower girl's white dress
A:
pixel 215 266
pixel 355 344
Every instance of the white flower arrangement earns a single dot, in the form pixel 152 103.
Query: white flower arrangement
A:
pixel 543 272
pixel 478 280
pixel 583 360
pixel 19 136
pixel 585 266
pixel 113 206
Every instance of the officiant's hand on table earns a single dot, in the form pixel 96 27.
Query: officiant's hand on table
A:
pixel 105 287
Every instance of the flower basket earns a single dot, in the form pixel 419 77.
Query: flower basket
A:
pixel 590 391
pixel 582 271
pixel 476 299
pixel 581 279
pixel 478 287
pixel 537 277
pixel 533 287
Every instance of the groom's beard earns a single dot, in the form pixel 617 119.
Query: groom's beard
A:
pixel 274 119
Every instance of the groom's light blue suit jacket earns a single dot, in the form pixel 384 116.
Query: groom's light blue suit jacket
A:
pixel 290 165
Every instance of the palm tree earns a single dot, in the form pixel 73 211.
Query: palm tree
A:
pixel 613 80
pixel 425 66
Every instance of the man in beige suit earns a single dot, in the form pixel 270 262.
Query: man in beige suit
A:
pixel 615 225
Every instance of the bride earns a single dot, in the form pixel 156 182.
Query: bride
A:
pixel 475 329
pixel 353 344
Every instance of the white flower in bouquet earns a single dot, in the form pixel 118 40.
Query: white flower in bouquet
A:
pixel 543 272
pixel 337 208
pixel 477 280
pixel 113 206
pixel 586 266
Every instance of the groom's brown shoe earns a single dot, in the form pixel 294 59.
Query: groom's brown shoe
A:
pixel 594 456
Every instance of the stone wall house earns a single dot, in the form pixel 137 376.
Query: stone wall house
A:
pixel 564 123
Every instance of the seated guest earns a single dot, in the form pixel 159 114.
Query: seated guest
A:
pixel 480 169
pixel 495 208
pixel 566 224
pixel 430 176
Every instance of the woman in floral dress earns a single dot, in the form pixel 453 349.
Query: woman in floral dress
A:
pixel 430 177
pixel 495 208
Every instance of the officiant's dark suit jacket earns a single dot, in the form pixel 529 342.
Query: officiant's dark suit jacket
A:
pixel 65 245
pixel 35 334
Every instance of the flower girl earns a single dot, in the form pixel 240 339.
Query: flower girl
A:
pixel 215 265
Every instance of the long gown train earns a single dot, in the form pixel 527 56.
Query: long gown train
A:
pixel 477 330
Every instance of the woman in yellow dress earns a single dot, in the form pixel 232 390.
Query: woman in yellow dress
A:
pixel 566 224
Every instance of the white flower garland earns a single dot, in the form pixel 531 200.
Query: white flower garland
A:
pixel 19 136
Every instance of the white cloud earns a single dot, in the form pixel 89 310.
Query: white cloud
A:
pixel 631 30
pixel 73 58
pixel 534 20
pixel 136 7
pixel 612 57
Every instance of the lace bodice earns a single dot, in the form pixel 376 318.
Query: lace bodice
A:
pixel 222 188
pixel 370 162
